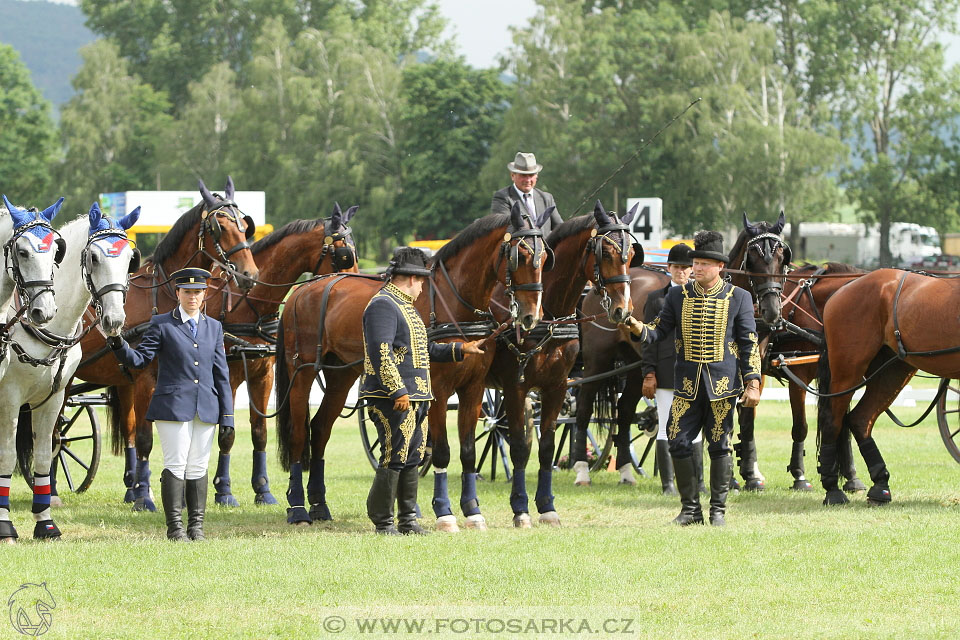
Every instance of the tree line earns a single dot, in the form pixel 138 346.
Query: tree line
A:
pixel 806 105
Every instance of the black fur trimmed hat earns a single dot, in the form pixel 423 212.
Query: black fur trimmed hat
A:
pixel 408 261
pixel 709 245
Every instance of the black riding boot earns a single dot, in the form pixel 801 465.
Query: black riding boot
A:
pixel 665 466
pixel 698 466
pixel 721 470
pixel 380 501
pixel 686 474
pixel 407 502
pixel 171 495
pixel 196 507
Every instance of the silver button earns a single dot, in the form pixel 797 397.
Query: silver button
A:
pixel 194 344
pixel 196 382
pixel 195 363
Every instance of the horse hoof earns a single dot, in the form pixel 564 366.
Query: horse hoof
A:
pixel 46 530
pixel 878 496
pixel 477 522
pixel 8 541
pixel 447 524
pixel 583 474
pixel 754 484
pixel 55 501
pixel 854 485
pixel 226 500
pixel 128 496
pixel 522 521
pixel 835 497
pixel 550 519
pixel 143 504
pixel 320 512
pixel 264 498
pixel 802 485
pixel 298 516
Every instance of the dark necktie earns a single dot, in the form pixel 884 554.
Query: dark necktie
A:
pixel 193 326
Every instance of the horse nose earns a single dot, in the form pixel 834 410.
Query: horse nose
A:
pixel 111 325
pixel 617 315
pixel 528 322
pixel 39 317
pixel 246 280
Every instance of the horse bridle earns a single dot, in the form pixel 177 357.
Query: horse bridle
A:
pixel 209 223
pixel 770 243
pixel 14 270
pixel 595 246
pixel 342 258
pixel 97 294
pixel 510 248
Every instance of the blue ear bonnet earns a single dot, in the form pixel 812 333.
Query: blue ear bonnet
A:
pixel 41 230
pixel 102 225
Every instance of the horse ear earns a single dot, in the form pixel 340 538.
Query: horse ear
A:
pixel 51 212
pixel 777 228
pixel 627 219
pixel 206 195
pixel 600 214
pixel 228 190
pixel 542 220
pixel 130 219
pixel 10 208
pixel 350 213
pixel 516 216
pixel 752 229
pixel 95 216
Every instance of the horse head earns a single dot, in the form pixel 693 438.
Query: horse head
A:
pixel 107 260
pixel 338 241
pixel 31 255
pixel 225 233
pixel 611 251
pixel 527 256
pixel 761 251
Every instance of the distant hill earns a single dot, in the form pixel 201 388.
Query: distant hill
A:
pixel 47 36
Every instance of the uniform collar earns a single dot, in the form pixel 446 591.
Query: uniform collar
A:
pixel 182 315
pixel 395 291
pixel 713 290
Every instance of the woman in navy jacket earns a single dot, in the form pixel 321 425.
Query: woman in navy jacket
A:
pixel 192 395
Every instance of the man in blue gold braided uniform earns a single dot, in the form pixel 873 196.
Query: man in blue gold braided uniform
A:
pixel 396 387
pixel 717 361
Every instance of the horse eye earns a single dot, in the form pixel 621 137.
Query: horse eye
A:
pixel 23 253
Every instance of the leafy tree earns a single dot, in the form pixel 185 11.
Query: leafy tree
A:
pixel 451 114
pixel 28 137
pixel 111 128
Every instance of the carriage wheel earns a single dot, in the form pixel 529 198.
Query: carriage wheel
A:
pixel 76 448
pixel 371 442
pixel 948 419
pixel 492 427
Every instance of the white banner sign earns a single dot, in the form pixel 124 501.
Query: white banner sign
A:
pixel 162 208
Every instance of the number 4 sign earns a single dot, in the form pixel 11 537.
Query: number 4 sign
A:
pixel 647 225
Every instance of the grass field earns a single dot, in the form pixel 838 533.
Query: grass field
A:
pixel 785 566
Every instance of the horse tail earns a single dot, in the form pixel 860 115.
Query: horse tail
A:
pixel 284 432
pixel 25 438
pixel 118 440
pixel 824 409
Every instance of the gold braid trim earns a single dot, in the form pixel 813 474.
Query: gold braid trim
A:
pixel 753 362
pixel 386 447
pixel 419 347
pixel 677 409
pixel 721 386
pixel 406 430
pixel 720 410
pixel 389 375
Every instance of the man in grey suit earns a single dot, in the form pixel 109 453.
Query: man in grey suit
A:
pixel 524 171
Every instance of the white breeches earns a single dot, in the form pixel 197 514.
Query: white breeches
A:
pixel 186 447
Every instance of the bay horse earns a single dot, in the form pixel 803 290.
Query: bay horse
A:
pixel 805 293
pixel 321 328
pixel 596 248
pixel 97 254
pixel 196 239
pixel 320 246
pixel 883 326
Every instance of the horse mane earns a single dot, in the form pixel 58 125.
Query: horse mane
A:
pixel 295 227
pixel 168 246
pixel 570 227
pixel 477 229
pixel 830 267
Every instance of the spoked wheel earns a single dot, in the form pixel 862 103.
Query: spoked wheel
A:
pixel 948 418
pixel 76 444
pixel 372 445
pixel 492 427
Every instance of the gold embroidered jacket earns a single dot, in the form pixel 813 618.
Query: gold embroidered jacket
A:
pixel 396 352
pixel 716 339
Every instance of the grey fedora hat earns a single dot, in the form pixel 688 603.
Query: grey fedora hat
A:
pixel 525 163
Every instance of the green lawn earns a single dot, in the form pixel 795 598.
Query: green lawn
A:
pixel 785 567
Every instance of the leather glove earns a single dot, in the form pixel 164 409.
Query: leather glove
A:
pixel 634 325
pixel 751 395
pixel 114 342
pixel 402 403
pixel 225 431
pixel 650 386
